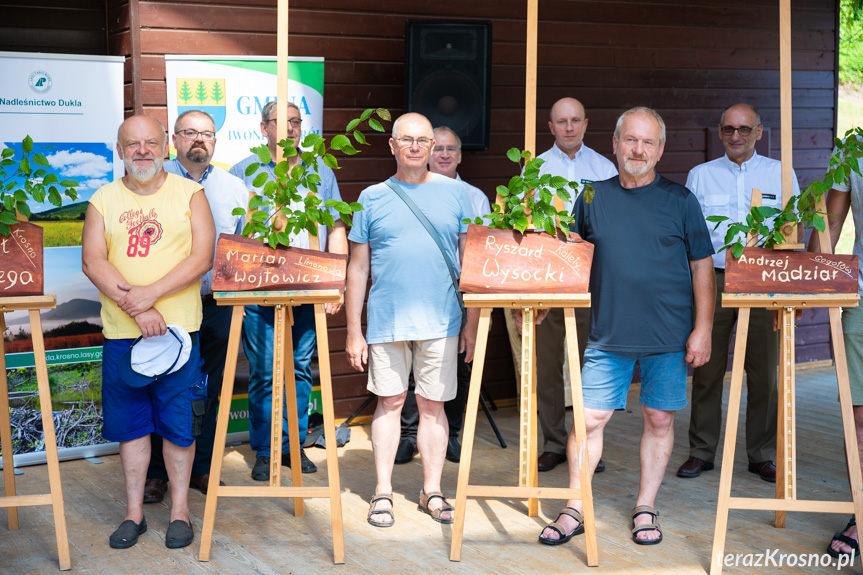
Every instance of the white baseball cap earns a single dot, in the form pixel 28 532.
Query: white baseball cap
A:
pixel 150 358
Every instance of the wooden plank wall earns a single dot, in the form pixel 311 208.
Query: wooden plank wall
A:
pixel 53 26
pixel 687 58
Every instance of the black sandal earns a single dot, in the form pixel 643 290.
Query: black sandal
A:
pixel 842 538
pixel 564 537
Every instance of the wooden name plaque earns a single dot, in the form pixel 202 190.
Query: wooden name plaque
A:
pixel 761 270
pixel 21 271
pixel 244 264
pixel 506 261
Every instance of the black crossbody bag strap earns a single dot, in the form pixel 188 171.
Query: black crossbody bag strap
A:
pixel 391 183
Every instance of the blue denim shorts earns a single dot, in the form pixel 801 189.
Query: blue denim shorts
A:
pixel 172 406
pixel 606 377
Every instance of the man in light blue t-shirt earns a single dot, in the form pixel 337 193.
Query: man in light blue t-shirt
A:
pixel 413 311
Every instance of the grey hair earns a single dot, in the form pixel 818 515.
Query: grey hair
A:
pixel 270 106
pixel 449 130
pixel 161 125
pixel 641 110
pixel 191 112
pixel 752 109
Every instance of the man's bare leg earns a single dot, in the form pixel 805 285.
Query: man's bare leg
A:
pixel 595 420
pixel 852 530
pixel 657 440
pixel 432 435
pixel 135 457
pixel 178 464
pixel 386 430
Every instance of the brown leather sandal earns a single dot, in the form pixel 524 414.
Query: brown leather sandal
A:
pixel 372 511
pixel 435 513
pixel 652 526
pixel 561 531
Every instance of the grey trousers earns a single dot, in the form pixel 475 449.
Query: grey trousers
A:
pixel 760 366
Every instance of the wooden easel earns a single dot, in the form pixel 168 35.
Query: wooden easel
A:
pixel 55 498
pixel 786 439
pixel 283 382
pixel 527 480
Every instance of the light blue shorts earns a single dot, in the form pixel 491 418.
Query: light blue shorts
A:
pixel 606 377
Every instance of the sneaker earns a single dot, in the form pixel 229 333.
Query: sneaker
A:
pixel 261 470
pixel 407 450
pixel 453 450
pixel 306 464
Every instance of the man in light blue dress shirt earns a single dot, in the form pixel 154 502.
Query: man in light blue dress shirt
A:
pixel 195 141
pixel 258 320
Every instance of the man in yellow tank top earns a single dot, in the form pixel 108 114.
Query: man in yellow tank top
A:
pixel 148 238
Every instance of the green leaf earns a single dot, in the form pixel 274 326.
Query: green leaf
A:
pixel 321 147
pixel 24 167
pixel 281 169
pixel 8 153
pixel 284 238
pixel 349 150
pixel 375 125
pixel 356 206
pixel 41 160
pixel 359 137
pixel 5 230
pixel 352 124
pixel 311 139
pixel 366 113
pixel 259 217
pixel 68 184
pixel 261 179
pixel 252 168
pixel 238 212
pixel 273 240
pixel 8 218
pixel 818 223
pixel 384 114
pixel 339 141
pixel 263 153
pixel 737 250
pixel 330 161
pixel 254 203
pixel 558 182
pixel 27 144
pixel 514 155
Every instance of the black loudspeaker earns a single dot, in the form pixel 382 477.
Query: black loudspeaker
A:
pixel 448 76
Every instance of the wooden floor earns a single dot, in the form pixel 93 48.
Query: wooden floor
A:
pixel 263 536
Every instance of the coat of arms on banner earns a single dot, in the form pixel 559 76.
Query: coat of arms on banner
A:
pixel 205 94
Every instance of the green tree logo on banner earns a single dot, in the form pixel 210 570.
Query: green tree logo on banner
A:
pixel 201 93
pixel 185 92
pixel 216 93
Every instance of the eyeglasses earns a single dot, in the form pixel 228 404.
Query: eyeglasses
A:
pixel 294 122
pixel 450 149
pixel 742 130
pixel 408 142
pixel 193 135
